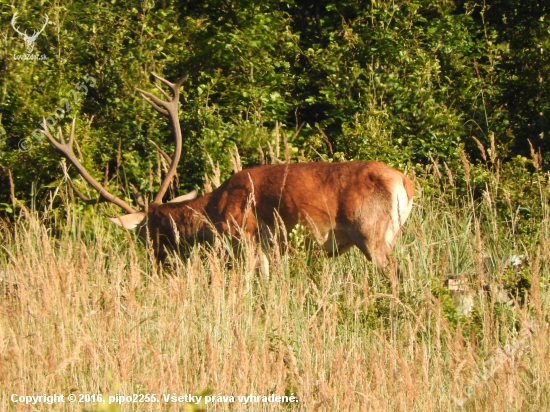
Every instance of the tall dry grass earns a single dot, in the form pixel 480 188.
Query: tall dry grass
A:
pixel 84 310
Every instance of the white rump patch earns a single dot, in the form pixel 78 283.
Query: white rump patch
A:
pixel 401 208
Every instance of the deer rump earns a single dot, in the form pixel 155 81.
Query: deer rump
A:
pixel 344 204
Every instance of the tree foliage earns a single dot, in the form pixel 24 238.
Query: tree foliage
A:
pixel 408 82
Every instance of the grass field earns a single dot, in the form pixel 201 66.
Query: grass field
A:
pixel 85 311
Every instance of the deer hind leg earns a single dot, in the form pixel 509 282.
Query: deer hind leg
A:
pixel 264 263
pixel 336 243
pixel 401 208
pixel 374 245
pixel 381 231
pixel 265 242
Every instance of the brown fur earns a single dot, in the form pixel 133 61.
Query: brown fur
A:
pixel 345 204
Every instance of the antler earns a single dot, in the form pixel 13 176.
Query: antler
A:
pixel 36 33
pixel 168 108
pixel 66 149
pixel 13 20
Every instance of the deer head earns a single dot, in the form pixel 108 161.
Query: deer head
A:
pixel 134 218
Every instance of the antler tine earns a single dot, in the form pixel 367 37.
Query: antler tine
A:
pixel 165 81
pixel 162 152
pixel 13 20
pixel 71 134
pixel 37 32
pixel 137 197
pixel 47 19
pixel 163 92
pixel 66 150
pixel 168 107
pixel 60 135
pixel 174 86
pixel 46 132
pixel 162 106
pixel 180 83
pixel 83 197
pixel 154 101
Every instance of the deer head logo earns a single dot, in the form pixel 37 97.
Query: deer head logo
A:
pixel 29 40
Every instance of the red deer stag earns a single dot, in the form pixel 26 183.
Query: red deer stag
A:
pixel 345 204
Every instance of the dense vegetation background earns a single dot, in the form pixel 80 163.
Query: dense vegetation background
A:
pixel 412 83
pixel 455 94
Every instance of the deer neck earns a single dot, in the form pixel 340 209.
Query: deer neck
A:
pixel 188 219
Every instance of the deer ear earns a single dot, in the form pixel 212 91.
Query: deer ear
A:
pixel 183 198
pixel 129 221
